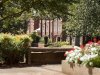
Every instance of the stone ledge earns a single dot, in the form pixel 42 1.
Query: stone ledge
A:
pixel 37 49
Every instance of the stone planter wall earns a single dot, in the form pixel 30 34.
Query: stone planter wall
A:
pixel 47 58
pixel 45 55
pixel 78 70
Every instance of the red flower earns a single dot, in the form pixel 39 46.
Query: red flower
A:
pixel 90 42
pixel 94 39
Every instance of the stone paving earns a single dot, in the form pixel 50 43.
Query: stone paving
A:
pixel 34 70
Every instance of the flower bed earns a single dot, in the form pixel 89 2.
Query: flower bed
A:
pixel 78 59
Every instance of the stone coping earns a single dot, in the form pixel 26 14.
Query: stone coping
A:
pixel 38 49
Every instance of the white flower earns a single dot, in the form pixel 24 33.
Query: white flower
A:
pixel 93 49
pixel 78 56
pixel 67 58
pixel 70 60
pixel 84 58
pixel 72 54
pixel 87 57
pixel 93 56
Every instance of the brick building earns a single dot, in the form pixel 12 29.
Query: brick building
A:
pixel 47 27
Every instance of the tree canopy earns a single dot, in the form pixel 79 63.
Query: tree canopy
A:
pixel 14 8
pixel 13 11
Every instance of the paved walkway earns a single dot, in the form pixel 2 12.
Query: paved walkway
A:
pixel 34 70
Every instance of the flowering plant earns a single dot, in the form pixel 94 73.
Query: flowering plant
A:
pixel 83 55
pixel 73 55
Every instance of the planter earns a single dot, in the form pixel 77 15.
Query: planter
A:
pixel 75 69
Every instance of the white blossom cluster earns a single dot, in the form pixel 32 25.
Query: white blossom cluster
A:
pixel 92 52
pixel 84 55
pixel 73 55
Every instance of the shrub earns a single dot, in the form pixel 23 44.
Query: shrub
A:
pixel 6 46
pixel 13 47
pixel 95 62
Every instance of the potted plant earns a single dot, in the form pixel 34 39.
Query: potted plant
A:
pixel 36 39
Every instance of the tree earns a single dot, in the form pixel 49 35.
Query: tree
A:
pixel 12 18
pixel 44 7
pixel 13 11
pixel 86 19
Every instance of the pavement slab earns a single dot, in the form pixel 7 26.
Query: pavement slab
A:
pixel 33 70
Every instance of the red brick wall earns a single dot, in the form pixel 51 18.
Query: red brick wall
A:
pixel 50 28
pixel 36 24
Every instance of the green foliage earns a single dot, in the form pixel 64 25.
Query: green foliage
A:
pixel 49 41
pixel 59 44
pixel 35 37
pixel 14 13
pixel 11 19
pixel 95 62
pixel 13 47
pixel 42 40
